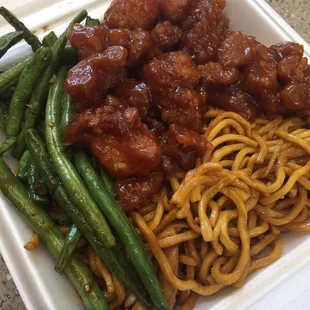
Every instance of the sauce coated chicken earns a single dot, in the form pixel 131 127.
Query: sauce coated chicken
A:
pixel 89 81
pixel 131 14
pixel 172 78
pixel 117 137
pixel 148 73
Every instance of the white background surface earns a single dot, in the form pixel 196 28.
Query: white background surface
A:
pixel 283 285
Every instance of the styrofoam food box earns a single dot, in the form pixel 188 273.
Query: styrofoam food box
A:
pixel 283 285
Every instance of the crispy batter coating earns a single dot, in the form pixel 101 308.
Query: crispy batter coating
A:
pixel 131 14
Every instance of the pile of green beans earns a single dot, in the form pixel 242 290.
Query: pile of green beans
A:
pixel 51 236
pixel 34 116
pixel 29 37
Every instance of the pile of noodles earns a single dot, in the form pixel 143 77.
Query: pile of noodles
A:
pixel 223 219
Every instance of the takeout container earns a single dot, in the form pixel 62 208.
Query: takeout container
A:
pixel 283 285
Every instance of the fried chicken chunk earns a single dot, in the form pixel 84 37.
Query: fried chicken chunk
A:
pixel 89 40
pixel 237 50
pixel 234 99
pixel 172 79
pixel 204 30
pixel 165 35
pixel 180 148
pixel 135 94
pixel 137 42
pixel 131 14
pixel 214 74
pixel 89 81
pixel 137 192
pixel 118 138
pixel 174 10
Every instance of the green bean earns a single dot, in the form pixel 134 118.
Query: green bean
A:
pixel 33 176
pixel 34 110
pixel 6 95
pixel 74 235
pixel 24 88
pixel 41 128
pixel 39 96
pixel 113 256
pixel 23 166
pixel 92 22
pixel 59 46
pixel 7 144
pixel 61 219
pixel 120 223
pixel 70 56
pixel 21 96
pixel 106 179
pixel 4 114
pixel 9 77
pixel 29 37
pixel 8 40
pixel 65 170
pixel 108 183
pixel 49 233
pixel 50 39
pixel 71 242
pixel 10 87
pixel 67 111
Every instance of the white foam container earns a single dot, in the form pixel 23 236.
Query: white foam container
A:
pixel 283 285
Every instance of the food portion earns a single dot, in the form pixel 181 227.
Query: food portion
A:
pixel 118 138
pixel 89 81
pixel 173 153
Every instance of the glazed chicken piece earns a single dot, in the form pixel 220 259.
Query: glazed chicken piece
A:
pixel 137 192
pixel 296 95
pixel 181 147
pixel 118 138
pixel 237 50
pixel 131 14
pixel 260 79
pixel 204 29
pixel 172 79
pixel 293 71
pixel 288 49
pixel 135 94
pixel 174 10
pixel 174 69
pixel 234 99
pixel 89 40
pixel 165 35
pixel 137 42
pixel 214 74
pixel 292 68
pixel 89 81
